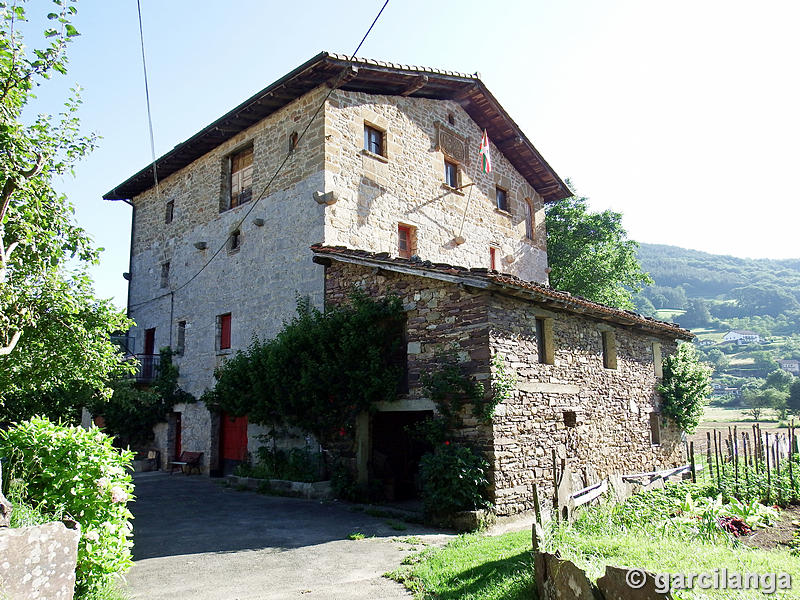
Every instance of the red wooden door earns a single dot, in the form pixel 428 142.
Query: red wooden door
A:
pixel 234 437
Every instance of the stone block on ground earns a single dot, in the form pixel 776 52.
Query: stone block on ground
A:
pixel 620 583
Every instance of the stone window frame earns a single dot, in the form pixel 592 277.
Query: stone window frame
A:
pixel 655 428
pixel 544 340
pixel 658 369
pixel 411 240
pixel 164 274
pixel 504 206
pixel 451 165
pixel 370 127
pixel 609 345
pixel 223 345
pixel 226 201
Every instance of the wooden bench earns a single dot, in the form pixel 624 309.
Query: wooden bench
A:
pixel 186 462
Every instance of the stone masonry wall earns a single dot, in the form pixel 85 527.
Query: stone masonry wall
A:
pixel 257 283
pixel 376 194
pixel 612 406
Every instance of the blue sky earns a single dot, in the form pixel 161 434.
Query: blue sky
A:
pixel 681 115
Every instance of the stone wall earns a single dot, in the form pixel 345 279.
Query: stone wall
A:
pixel 408 186
pixel 38 563
pixel 612 407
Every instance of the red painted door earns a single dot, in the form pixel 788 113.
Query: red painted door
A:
pixel 234 438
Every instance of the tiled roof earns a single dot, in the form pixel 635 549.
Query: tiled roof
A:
pixel 371 77
pixel 488 279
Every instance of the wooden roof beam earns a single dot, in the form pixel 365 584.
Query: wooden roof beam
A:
pixel 416 84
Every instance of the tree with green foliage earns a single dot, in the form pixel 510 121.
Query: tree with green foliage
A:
pixel 780 380
pixel 754 400
pixel 793 401
pixel 55 350
pixel 696 315
pixel 320 371
pixel 590 254
pixel 685 387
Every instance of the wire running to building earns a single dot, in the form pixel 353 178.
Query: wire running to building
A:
pixel 277 172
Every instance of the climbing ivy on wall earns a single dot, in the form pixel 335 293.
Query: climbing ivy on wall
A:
pixel 320 371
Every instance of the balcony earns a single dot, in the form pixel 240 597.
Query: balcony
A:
pixel 149 367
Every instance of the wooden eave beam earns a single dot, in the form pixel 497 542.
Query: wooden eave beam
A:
pixel 416 84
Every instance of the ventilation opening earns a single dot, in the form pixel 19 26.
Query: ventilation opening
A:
pixel 570 418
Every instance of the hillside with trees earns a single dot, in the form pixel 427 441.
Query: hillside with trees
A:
pixel 713 295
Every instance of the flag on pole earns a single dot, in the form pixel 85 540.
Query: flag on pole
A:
pixel 486 159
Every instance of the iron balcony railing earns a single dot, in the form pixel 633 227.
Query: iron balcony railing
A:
pixel 149 367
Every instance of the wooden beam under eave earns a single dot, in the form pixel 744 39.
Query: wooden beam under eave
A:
pixel 416 84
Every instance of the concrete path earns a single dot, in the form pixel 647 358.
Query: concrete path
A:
pixel 197 540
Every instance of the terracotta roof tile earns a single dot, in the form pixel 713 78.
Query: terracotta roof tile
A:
pixel 537 291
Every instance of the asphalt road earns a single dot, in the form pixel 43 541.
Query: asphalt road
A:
pixel 197 540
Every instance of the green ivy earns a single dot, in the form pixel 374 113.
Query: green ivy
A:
pixel 453 479
pixel 320 371
pixel 685 387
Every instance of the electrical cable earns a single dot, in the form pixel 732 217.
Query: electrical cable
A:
pixel 277 172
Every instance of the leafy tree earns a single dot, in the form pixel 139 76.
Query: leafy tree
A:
pixel 793 401
pixel 54 346
pixel 717 358
pixel 320 371
pixel 755 401
pixel 685 387
pixel 696 315
pixel 590 253
pixel 780 380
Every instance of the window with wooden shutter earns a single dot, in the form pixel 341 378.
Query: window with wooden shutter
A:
pixel 224 331
pixel 406 241
pixel 241 177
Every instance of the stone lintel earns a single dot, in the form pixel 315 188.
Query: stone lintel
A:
pixel 548 388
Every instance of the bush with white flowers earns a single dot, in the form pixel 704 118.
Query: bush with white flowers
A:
pixel 79 473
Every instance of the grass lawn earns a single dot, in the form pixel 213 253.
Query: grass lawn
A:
pixel 668 313
pixel 639 533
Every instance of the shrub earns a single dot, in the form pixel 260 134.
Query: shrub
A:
pixel 79 473
pixel 453 479
pixel 684 387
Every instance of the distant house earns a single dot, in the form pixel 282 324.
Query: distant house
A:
pixel 705 343
pixel 742 337
pixel 792 366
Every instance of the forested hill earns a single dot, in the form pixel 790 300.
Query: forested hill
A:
pixel 713 275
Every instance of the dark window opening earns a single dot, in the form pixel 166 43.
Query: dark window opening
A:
pixel 451 118
pixel 373 140
pixel 609 350
pixel 293 140
pixel 170 212
pixel 493 258
pixel 528 220
pixel 502 199
pixel 181 338
pixel 570 418
pixel 235 241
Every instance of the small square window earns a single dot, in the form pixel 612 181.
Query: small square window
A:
pixel 224 332
pixel 241 183
pixel 451 174
pixel 373 140
pixel 169 212
pixel 164 274
pixel 406 241
pixel 501 199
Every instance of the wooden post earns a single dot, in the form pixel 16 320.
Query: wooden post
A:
pixel 755 449
pixel 776 453
pixel 537 511
pixel 766 464
pixel 709 462
pixel 791 456
pixel 746 448
pixel 691 462
pixel 716 458
pixel 556 508
pixel 730 444
pixel 735 445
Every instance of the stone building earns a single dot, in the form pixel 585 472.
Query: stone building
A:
pixel 381 158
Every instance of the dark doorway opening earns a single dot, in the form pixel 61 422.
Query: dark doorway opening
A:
pixel 396 454
pixel 233 442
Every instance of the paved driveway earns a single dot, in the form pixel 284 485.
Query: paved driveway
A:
pixel 197 540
